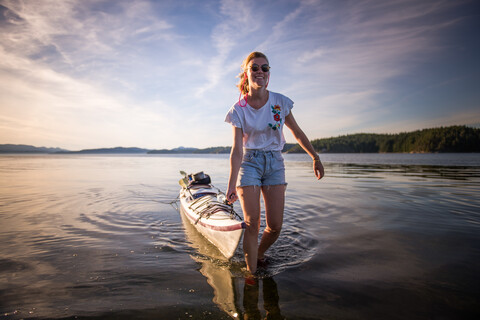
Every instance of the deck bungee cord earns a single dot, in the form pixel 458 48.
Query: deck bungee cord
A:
pixel 208 203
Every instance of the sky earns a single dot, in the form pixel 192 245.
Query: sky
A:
pixel 162 74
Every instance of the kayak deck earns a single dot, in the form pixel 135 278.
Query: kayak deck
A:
pixel 214 219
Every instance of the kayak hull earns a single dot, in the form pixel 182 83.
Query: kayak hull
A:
pixel 223 231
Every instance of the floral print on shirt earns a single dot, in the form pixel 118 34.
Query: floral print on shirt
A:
pixel 276 116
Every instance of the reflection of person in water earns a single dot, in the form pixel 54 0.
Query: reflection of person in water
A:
pixel 270 300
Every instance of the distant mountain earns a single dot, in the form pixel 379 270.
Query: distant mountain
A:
pixel 215 150
pixel 182 150
pixel 443 139
pixel 117 150
pixel 211 150
pixel 22 148
pixel 170 151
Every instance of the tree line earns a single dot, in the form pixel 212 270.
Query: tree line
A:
pixel 443 139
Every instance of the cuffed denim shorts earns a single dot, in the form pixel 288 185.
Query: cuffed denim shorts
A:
pixel 261 168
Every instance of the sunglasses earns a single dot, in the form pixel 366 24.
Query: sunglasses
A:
pixel 255 67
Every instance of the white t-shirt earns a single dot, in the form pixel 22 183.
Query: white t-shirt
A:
pixel 262 128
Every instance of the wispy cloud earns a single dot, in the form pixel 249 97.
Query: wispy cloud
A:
pixel 62 65
pixel 48 107
pixel 355 51
pixel 73 71
pixel 86 39
pixel 236 23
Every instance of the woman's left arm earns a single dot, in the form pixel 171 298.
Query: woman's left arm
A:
pixel 302 139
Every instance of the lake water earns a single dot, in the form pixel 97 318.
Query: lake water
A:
pixel 382 236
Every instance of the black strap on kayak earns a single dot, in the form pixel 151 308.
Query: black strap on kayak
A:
pixel 233 214
pixel 213 205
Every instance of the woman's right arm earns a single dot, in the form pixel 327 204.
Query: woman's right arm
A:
pixel 236 156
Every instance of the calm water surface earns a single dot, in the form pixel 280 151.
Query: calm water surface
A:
pixel 382 236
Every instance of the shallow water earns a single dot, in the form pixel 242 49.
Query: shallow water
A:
pixel 381 236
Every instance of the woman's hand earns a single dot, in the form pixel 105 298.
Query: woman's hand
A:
pixel 235 162
pixel 232 194
pixel 318 169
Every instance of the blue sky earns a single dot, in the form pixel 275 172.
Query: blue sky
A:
pixel 162 74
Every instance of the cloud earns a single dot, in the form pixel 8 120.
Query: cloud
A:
pixel 91 40
pixel 342 58
pixel 237 23
pixel 63 66
pixel 156 68
pixel 336 113
pixel 40 105
pixel 308 56
pixel 374 42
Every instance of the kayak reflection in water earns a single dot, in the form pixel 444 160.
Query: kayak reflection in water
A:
pixel 227 287
pixel 270 300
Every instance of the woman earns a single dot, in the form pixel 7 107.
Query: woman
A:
pixel 256 162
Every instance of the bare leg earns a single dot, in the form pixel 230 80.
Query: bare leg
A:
pixel 274 198
pixel 250 201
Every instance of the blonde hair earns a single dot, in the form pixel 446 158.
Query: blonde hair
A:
pixel 243 82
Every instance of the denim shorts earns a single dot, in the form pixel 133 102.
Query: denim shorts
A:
pixel 261 168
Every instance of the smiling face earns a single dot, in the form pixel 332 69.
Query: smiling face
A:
pixel 259 78
pixel 247 75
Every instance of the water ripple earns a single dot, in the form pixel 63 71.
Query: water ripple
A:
pixel 83 236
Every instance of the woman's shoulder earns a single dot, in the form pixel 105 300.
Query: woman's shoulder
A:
pixel 275 94
pixel 236 108
pixel 234 115
pixel 278 98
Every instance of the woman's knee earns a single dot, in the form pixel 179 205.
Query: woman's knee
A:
pixel 252 226
pixel 274 229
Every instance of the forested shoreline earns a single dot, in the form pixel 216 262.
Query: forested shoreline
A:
pixel 443 139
